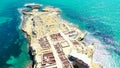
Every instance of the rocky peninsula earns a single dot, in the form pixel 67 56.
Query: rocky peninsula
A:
pixel 54 42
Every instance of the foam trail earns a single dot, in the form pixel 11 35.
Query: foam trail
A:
pixel 101 55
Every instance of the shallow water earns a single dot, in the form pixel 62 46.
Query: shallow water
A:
pixel 100 18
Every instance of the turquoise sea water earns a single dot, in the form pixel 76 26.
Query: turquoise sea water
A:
pixel 100 18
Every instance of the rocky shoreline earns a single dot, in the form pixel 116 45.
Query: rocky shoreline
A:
pixel 31 51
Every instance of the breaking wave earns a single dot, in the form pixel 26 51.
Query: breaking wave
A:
pixel 101 54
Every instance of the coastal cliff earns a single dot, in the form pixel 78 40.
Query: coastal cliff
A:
pixel 52 40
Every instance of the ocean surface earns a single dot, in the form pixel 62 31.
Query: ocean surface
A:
pixel 99 18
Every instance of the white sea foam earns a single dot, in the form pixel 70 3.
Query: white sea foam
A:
pixel 21 16
pixel 101 55
pixel 33 4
